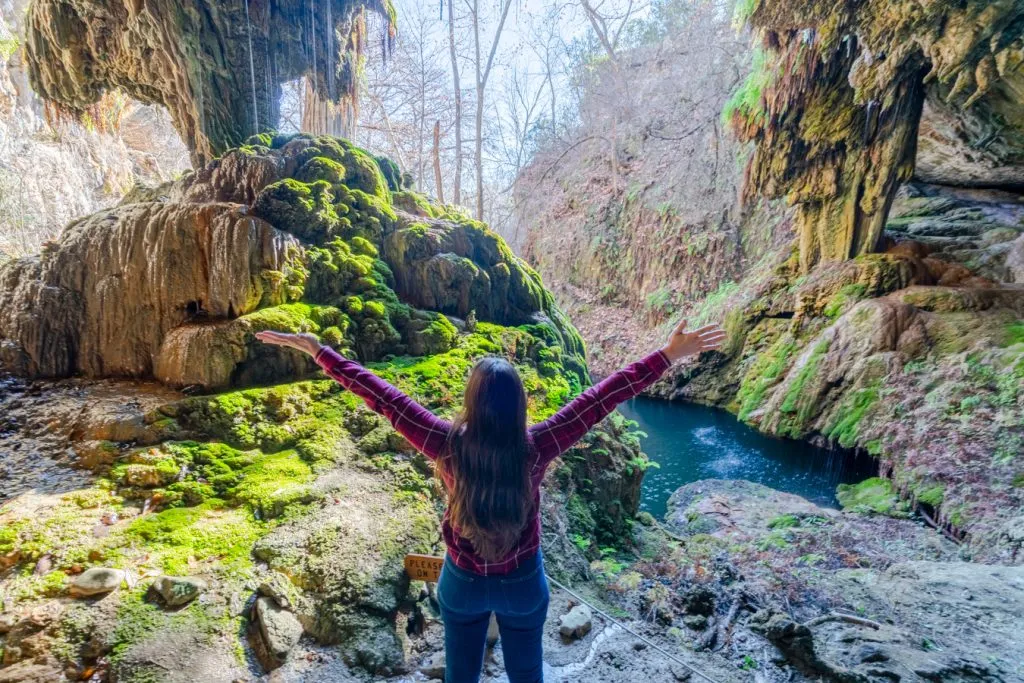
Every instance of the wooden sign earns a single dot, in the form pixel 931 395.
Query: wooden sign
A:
pixel 423 567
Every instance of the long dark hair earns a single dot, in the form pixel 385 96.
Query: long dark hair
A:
pixel 489 497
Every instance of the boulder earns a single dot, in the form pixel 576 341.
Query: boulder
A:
pixel 576 623
pixel 96 581
pixel 279 628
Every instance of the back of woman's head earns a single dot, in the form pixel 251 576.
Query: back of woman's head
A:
pixel 490 501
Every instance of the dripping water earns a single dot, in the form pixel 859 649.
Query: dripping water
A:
pixel 252 73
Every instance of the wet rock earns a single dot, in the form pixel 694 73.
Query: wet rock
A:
pixel 96 581
pixel 434 666
pixel 178 590
pixel 576 623
pixel 279 628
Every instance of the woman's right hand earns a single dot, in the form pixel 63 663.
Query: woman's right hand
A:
pixel 305 342
pixel 682 343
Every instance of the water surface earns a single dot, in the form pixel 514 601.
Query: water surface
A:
pixel 692 442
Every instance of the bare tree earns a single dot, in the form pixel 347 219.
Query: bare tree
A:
pixel 482 67
pixel 549 49
pixel 436 154
pixel 406 95
pixel 609 23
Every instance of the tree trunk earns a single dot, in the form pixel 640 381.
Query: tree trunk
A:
pixel 478 156
pixel 457 180
pixel 437 162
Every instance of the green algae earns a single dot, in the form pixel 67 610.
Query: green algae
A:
pixel 844 299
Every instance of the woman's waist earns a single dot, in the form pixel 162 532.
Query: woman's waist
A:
pixel 521 563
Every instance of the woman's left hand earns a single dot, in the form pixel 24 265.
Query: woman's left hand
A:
pixel 682 343
pixel 305 342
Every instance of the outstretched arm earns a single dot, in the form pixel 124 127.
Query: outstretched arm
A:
pixel 563 429
pixel 424 430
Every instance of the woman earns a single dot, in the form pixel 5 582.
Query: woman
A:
pixel 492 465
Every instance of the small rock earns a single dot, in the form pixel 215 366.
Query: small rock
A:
pixel 96 581
pixel 434 666
pixel 576 623
pixel 696 621
pixel 279 627
pixel 178 590
pixel 44 565
pixel 681 673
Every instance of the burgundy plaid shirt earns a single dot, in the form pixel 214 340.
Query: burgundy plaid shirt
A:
pixel 549 439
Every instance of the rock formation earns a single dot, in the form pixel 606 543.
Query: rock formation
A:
pixel 295 488
pixel 835 102
pixel 899 605
pixel 216 66
pixel 294 233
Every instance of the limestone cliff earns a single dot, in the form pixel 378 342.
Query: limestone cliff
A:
pixel 914 354
pixel 835 100
pixel 216 66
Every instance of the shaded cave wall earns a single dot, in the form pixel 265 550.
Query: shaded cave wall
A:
pixel 217 66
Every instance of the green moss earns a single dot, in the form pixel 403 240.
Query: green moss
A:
pixel 765 372
pixel 303 209
pixel 855 407
pixel 177 539
pixel 746 103
pixel 801 403
pixel 1014 334
pixel 844 298
pixel 139 621
pixel 871 496
pixel 931 495
pixel 391 173
pixel 416 204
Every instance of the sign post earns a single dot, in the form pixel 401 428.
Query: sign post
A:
pixel 423 567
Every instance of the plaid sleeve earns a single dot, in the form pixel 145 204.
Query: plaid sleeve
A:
pixel 563 429
pixel 424 430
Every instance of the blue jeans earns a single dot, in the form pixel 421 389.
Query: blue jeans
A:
pixel 520 602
